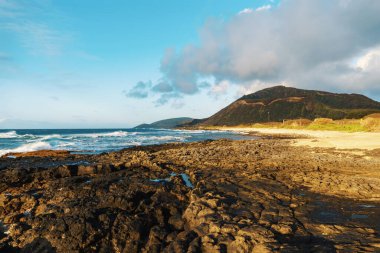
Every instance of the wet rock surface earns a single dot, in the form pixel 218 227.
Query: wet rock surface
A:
pixel 214 196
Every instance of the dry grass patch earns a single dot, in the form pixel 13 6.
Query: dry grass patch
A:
pixel 371 122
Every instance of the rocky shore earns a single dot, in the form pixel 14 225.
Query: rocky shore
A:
pixel 214 196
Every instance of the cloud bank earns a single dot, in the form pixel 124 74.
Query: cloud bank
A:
pixel 320 44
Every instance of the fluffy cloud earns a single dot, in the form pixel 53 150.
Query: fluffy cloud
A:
pixel 219 89
pixel 320 44
pixel 370 61
pixel 140 90
pixel 162 86
pixel 162 91
pixel 165 98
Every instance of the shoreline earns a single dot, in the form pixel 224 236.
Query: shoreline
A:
pixel 264 195
pixel 317 138
pixel 97 141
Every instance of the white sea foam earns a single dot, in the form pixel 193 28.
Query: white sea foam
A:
pixel 99 135
pixel 99 141
pixel 6 135
pixel 66 144
pixel 52 136
pixel 133 143
pixel 115 134
pixel 163 138
pixel 192 131
pixel 29 147
pixel 13 134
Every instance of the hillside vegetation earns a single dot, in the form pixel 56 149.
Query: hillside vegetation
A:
pixel 370 123
pixel 279 104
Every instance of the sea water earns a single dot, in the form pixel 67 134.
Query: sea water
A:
pixel 93 141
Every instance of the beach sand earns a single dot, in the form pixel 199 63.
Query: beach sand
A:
pixel 325 139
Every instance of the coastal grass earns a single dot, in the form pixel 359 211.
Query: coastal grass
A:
pixel 370 123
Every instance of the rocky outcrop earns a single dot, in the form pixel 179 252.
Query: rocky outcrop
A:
pixel 244 196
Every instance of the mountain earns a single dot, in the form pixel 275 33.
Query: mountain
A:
pixel 280 103
pixel 167 123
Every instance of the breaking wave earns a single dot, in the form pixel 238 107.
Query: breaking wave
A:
pixel 13 135
pixel 27 148
pixel 97 141
pixel 100 135
pixel 52 136
pixel 163 138
pixel 7 135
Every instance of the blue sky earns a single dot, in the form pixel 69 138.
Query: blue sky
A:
pixel 78 64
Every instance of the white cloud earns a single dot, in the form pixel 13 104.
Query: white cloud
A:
pixel 250 87
pixel 250 10
pixel 370 61
pixel 309 44
pixel 264 7
pixel 219 89
pixel 245 11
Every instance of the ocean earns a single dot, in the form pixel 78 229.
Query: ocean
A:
pixel 94 141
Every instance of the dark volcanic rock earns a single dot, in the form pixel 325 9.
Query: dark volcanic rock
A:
pixel 281 199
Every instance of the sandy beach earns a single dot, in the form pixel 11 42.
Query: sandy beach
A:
pixel 325 139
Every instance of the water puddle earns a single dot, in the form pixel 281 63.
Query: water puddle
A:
pixel 27 213
pixel 37 195
pixel 359 216
pixel 78 163
pixel 184 177
pixel 367 206
pixel 329 217
pixel 164 180
pixel 4 228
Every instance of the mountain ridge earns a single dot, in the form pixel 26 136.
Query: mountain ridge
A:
pixel 166 123
pixel 280 103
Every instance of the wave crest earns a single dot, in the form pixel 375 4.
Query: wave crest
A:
pixel 51 136
pixel 7 135
pixel 100 135
pixel 29 147
pixel 163 138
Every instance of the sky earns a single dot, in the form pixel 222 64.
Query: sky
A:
pixel 116 64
